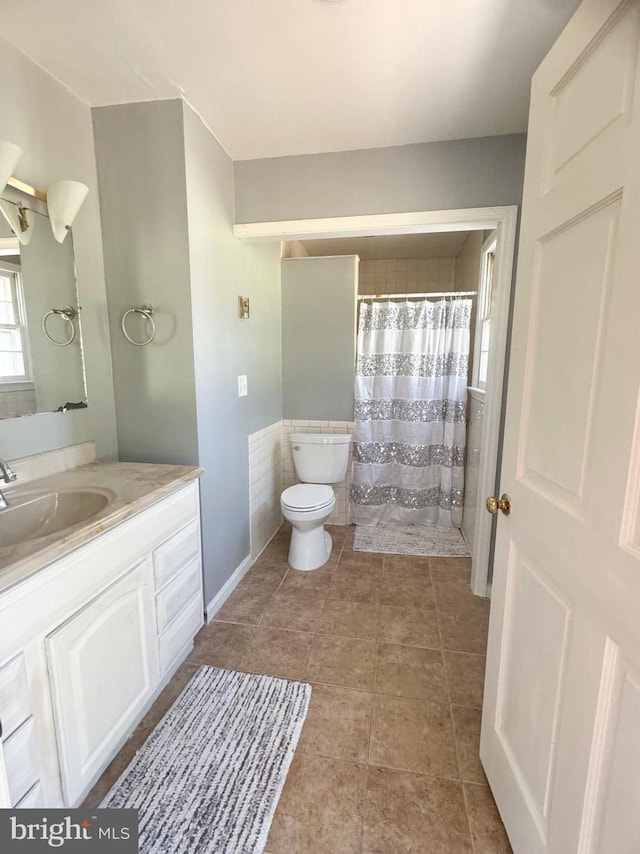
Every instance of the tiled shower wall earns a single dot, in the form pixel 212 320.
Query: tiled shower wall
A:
pixel 340 515
pixel 271 470
pixel 402 275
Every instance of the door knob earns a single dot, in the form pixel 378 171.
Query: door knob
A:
pixel 503 503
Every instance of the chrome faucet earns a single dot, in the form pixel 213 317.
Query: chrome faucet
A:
pixel 8 475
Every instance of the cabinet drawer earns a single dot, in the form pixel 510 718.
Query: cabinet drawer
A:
pixel 171 556
pixel 181 632
pixel 33 799
pixel 175 595
pixel 15 707
pixel 21 760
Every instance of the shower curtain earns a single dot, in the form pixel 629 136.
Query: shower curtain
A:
pixel 410 413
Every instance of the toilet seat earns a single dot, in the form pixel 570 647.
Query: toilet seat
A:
pixel 307 497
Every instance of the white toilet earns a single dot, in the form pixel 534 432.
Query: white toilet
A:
pixel 320 460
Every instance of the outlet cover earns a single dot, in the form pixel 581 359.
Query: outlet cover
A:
pixel 242 386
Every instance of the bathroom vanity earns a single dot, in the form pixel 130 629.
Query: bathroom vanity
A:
pixel 94 617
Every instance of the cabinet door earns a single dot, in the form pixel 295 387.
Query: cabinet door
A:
pixel 103 664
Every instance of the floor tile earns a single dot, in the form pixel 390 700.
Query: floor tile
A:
pixel 487 831
pixel 407 671
pixel 406 593
pixel 413 735
pixel 338 533
pixel 454 594
pixel 464 630
pixel 270 572
pixel 466 728
pixel 351 619
pixel 320 810
pixel 411 626
pixel 293 609
pixel 342 661
pixel 360 563
pixel 246 604
pixel 409 814
pixel 313 581
pixel 465 677
pixel 278 548
pixel 407 567
pixel 355 589
pixel 337 723
pixel 222 645
pixel 443 568
pixel 409 805
pixel 279 652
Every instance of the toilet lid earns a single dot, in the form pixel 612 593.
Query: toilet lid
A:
pixel 307 496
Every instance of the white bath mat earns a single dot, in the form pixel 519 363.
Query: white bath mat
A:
pixel 209 776
pixel 411 540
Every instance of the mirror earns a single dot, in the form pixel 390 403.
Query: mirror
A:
pixel 38 281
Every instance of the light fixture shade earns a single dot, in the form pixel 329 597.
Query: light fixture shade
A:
pixel 64 199
pixel 9 156
pixel 12 216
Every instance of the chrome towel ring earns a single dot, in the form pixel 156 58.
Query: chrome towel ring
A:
pixel 68 313
pixel 146 311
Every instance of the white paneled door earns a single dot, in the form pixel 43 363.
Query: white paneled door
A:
pixel 561 721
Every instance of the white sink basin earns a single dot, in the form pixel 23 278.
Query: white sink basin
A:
pixel 35 515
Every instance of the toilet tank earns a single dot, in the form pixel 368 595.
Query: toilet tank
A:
pixel 320 457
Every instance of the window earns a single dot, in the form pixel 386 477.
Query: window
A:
pixel 14 366
pixel 483 323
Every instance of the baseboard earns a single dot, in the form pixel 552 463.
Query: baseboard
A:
pixel 228 587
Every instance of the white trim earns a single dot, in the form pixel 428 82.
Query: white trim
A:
pixel 227 588
pixel 492 412
pixel 504 219
pixel 463 219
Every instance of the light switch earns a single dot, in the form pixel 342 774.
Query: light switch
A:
pixel 242 385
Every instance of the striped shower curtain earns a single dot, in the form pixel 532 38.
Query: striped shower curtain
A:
pixel 410 413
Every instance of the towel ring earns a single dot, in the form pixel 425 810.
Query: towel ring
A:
pixel 146 311
pixel 67 314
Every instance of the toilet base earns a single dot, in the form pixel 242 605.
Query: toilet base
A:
pixel 309 549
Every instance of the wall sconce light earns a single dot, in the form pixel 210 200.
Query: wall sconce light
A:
pixel 9 155
pixel 64 200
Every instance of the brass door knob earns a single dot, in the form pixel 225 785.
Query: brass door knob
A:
pixel 503 503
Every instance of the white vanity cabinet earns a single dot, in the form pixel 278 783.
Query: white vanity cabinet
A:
pixel 88 642
pixel 103 664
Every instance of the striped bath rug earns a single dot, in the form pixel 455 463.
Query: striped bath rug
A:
pixel 209 776
pixel 421 540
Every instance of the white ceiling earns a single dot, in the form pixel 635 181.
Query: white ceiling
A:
pixel 280 77
pixel 437 245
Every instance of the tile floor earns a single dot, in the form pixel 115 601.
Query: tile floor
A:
pixel 394 647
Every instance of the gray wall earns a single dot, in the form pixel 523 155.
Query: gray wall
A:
pixel 140 158
pixel 54 130
pixel 318 337
pixel 224 346
pixel 167 213
pixel 463 173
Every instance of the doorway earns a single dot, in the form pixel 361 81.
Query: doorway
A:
pixel 499 226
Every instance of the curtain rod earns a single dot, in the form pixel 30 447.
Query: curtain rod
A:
pixel 409 296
